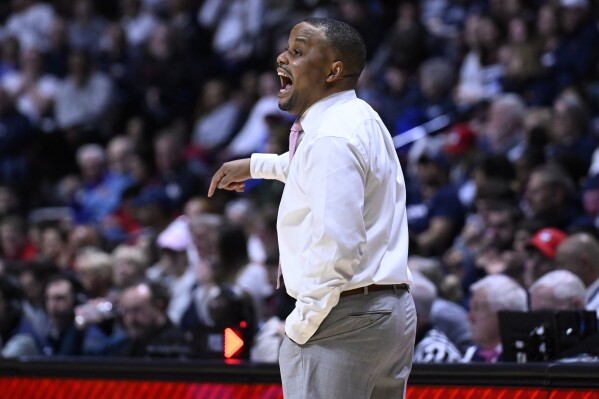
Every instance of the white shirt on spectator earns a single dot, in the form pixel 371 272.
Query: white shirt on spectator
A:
pixel 138 29
pixel 31 26
pixel 46 87
pixel 254 134
pixel 236 23
pixel 82 105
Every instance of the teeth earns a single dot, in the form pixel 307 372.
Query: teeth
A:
pixel 284 74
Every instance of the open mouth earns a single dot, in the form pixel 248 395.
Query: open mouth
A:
pixel 286 82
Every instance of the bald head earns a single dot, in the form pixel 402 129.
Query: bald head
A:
pixel 579 253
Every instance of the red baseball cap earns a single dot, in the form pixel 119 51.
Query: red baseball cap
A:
pixel 459 139
pixel 547 240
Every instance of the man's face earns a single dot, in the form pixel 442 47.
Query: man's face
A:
pixel 139 315
pixel 60 302
pixel 499 231
pixel 485 326
pixel 538 195
pixel 303 69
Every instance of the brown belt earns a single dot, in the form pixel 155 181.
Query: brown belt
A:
pixel 374 287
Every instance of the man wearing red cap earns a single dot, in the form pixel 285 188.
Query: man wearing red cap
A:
pixel 541 251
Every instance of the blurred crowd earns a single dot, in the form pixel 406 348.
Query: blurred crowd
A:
pixel 114 114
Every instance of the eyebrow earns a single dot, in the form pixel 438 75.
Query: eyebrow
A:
pixel 300 39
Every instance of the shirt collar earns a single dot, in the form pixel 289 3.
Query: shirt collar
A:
pixel 312 116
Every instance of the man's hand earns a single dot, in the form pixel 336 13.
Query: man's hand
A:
pixel 231 176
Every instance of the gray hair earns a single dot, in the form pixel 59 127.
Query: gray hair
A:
pixel 91 150
pixel 513 104
pixel 565 286
pixel 502 293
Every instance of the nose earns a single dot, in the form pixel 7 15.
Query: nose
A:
pixel 281 59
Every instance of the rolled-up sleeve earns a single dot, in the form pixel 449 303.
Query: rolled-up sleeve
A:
pixel 269 166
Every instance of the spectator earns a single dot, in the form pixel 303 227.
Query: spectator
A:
pixel 575 54
pixel 480 71
pixel 236 29
pixel 17 336
pixel 557 290
pixel 579 254
pixel 57 54
pixel 490 295
pixel 503 133
pixel 550 198
pixel 436 215
pixel 86 27
pixel 164 78
pixel 98 194
pixel 93 268
pixel 15 143
pixel 117 62
pixel 83 98
pixel 64 338
pixel 541 252
pixel 174 268
pixel 14 243
pixel 32 90
pixel 445 313
pixel 254 133
pixel 129 266
pixel 217 116
pixel 433 98
pixel 180 178
pixel 242 212
pixel 53 247
pixel 137 23
pixel 497 253
pixel 571 138
pixel 30 22
pixel 32 277
pixel 149 332
pixel 432 345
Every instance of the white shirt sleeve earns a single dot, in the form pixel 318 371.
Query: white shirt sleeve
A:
pixel 269 166
pixel 336 172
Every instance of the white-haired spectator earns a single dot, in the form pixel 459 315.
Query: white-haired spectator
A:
pixel 490 295
pixel 504 131
pixel 557 290
pixel 432 345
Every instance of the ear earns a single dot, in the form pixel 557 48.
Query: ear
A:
pixel 336 72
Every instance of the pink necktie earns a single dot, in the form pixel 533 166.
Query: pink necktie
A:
pixel 296 129
pixel 294 134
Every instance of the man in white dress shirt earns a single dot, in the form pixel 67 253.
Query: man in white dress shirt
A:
pixel 342 226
